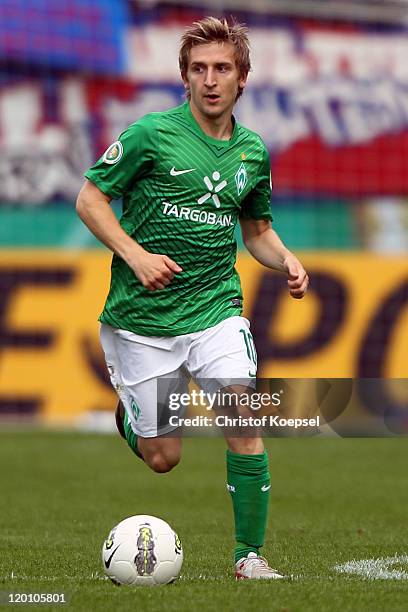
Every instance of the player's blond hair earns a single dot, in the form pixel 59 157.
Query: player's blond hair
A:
pixel 212 29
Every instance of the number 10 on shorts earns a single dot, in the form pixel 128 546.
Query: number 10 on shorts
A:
pixel 250 349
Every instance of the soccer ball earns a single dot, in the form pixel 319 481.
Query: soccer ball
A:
pixel 142 550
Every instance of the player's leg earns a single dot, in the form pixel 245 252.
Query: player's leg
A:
pixel 249 485
pixel 227 352
pixel 124 427
pixel 161 454
pixel 135 364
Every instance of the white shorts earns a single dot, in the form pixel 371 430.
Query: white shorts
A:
pixel 215 358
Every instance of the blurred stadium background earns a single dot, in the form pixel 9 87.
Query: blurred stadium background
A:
pixel 329 95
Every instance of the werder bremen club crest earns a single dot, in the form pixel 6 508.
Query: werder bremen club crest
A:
pixel 241 179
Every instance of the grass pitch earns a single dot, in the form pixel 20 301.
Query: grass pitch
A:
pixel 333 500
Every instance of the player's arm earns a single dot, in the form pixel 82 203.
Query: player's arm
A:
pixel 266 247
pixel 154 271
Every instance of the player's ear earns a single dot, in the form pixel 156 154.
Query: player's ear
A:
pixel 186 86
pixel 242 81
pixel 184 79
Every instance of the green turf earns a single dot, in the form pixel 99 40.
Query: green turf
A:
pixel 333 500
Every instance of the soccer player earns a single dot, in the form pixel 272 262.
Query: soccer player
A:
pixel 186 176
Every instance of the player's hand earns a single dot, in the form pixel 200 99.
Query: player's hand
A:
pixel 154 271
pixel 298 279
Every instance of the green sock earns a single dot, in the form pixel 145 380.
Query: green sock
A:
pixel 131 437
pixel 249 483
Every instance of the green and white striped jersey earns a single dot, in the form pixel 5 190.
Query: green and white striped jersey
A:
pixel 183 193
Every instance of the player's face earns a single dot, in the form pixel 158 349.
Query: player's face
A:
pixel 213 79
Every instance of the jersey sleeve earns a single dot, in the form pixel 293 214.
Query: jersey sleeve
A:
pixel 128 159
pixel 257 204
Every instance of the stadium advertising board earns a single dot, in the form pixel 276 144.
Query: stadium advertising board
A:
pixel 51 362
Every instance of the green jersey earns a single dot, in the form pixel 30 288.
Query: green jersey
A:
pixel 183 193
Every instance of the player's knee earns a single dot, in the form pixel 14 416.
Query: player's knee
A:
pixel 162 463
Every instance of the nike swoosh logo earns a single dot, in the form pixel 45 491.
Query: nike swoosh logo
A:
pixel 109 559
pixel 175 172
pixel 265 487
